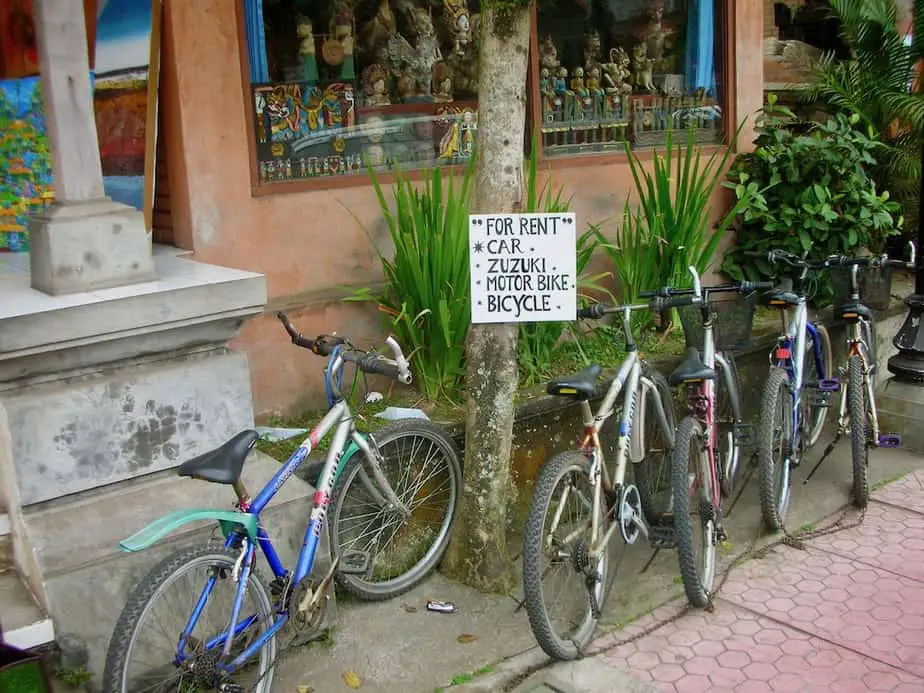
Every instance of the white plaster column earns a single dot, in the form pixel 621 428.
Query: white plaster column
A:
pixel 84 241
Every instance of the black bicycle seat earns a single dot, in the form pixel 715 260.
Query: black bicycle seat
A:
pixel 783 294
pixel 852 311
pixel 691 369
pixel 580 386
pixel 223 464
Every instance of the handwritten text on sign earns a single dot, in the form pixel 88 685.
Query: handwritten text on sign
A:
pixel 523 267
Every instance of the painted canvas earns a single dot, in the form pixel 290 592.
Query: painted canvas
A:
pixel 122 97
pixel 18 53
pixel 25 161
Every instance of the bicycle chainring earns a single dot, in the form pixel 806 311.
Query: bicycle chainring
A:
pixel 630 509
pixel 305 625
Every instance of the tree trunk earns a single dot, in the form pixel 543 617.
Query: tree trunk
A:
pixel 478 554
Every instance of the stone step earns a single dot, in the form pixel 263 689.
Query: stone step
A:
pixel 25 626
pixel 76 541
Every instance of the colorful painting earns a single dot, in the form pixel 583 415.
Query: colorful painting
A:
pixel 122 99
pixel 25 175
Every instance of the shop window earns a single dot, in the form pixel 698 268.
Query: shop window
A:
pixel 616 71
pixel 337 87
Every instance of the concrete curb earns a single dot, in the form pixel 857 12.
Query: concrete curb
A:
pixel 506 673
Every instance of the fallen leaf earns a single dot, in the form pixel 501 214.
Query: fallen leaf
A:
pixel 351 679
pixel 410 609
pixel 466 638
pixel 305 689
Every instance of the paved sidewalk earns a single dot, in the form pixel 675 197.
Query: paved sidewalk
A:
pixel 843 612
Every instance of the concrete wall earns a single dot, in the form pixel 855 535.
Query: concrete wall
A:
pixel 310 243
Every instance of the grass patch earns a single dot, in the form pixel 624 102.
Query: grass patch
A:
pixel 73 678
pixel 466 677
pixel 889 480
pixel 804 529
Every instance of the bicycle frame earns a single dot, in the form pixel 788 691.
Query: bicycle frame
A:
pixel 630 382
pixel 789 354
pixel 346 442
pixel 857 346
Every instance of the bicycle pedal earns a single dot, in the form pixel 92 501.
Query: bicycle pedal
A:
pixel 890 440
pixel 829 385
pixel 231 688
pixel 354 562
pixel 743 434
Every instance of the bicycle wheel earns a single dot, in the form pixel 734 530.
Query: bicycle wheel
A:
pixel 652 475
pixel 727 416
pixel 563 589
pixel 694 517
pixel 815 405
pixel 422 465
pixel 135 663
pixel 774 437
pixel 858 407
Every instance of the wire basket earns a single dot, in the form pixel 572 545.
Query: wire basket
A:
pixel 732 322
pixel 875 286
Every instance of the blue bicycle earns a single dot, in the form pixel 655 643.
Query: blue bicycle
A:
pixel 204 619
pixel 795 398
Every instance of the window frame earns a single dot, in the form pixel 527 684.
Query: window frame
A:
pixel 726 60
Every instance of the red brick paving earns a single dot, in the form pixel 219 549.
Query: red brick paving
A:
pixel 846 613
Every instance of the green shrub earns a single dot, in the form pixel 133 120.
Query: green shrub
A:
pixel 427 295
pixel 807 188
pixel 668 230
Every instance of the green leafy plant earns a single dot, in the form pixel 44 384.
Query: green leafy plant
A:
pixel 807 189
pixel 875 85
pixel 427 295
pixel 669 229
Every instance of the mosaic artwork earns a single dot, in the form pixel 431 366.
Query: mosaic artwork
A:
pixel 25 161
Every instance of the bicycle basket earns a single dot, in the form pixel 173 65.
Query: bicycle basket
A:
pixel 875 286
pixel 732 321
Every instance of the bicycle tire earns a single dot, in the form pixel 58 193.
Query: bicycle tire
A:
pixel 730 466
pixel 815 414
pixel 652 474
pixel 868 334
pixel 776 394
pixel 359 585
pixel 537 610
pixel 698 574
pixel 143 595
pixel 858 407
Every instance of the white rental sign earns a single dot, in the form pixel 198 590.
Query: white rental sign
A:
pixel 523 267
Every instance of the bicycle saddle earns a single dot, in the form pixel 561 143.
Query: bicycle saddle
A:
pixel 852 311
pixel 691 369
pixel 782 294
pixel 580 386
pixel 223 464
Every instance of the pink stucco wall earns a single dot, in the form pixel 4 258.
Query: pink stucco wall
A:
pixel 310 243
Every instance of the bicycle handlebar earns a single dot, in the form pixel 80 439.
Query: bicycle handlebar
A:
pixel 784 256
pixel 397 368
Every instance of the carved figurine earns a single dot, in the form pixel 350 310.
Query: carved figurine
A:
pixel 457 20
pixel 428 48
pixel 380 28
pixel 375 86
pixel 306 50
pixel 577 82
pixel 342 26
pixel 465 66
pixel 442 76
pixel 592 49
pixel 616 73
pixel 656 37
pixel 548 55
pixel 596 93
pixel 564 94
pixel 548 94
pixel 643 66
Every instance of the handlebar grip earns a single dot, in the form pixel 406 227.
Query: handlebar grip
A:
pixel 374 364
pixel 662 303
pixel 297 339
pixel 748 287
pixel 593 312
pixel 653 293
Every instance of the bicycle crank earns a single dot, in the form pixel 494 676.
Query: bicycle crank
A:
pixel 631 524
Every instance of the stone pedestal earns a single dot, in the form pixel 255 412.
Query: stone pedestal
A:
pixel 901 410
pixel 85 246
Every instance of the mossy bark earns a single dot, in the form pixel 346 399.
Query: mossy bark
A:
pixel 478 553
